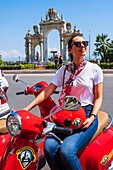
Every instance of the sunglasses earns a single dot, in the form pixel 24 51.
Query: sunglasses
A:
pixel 78 43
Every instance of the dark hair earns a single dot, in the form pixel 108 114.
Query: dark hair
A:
pixel 70 42
pixel 71 39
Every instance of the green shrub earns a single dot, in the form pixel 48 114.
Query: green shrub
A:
pixel 111 65
pixel 105 65
pixel 21 66
pixel 50 65
pixel 28 66
pixel 17 67
pixel 10 67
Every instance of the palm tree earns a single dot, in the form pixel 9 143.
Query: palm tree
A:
pixel 1 62
pixel 102 47
pixel 111 51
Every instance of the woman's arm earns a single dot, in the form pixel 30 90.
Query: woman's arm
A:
pixel 42 96
pixel 98 91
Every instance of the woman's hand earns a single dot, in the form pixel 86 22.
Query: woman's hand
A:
pixel 41 97
pixel 25 109
pixel 88 122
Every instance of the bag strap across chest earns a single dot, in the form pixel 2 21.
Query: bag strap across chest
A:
pixel 63 80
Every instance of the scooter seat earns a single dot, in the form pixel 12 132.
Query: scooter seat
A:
pixel 102 123
pixel 3 128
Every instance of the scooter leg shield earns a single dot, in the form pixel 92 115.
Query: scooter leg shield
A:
pixel 99 153
pixel 4 138
pixel 21 154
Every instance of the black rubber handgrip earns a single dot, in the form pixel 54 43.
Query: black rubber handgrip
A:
pixel 19 93
pixel 63 130
pixel 56 92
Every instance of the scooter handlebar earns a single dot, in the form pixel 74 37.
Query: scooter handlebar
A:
pixel 52 128
pixel 63 130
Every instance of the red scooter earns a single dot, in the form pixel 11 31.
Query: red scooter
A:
pixel 34 140
pixel 44 108
pixel 28 131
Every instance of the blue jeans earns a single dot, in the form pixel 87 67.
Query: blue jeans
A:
pixel 63 156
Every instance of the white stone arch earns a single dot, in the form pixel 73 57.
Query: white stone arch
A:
pixel 46 28
pixel 51 22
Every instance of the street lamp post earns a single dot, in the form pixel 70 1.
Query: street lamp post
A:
pixel 89 45
pixel 19 59
pixel 53 52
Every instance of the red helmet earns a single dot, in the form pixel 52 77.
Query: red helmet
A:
pixel 72 114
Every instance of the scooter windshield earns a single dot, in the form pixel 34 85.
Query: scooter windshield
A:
pixel 70 103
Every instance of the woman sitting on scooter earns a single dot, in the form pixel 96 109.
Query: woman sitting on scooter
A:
pixel 85 82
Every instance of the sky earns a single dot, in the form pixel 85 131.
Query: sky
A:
pixel 91 17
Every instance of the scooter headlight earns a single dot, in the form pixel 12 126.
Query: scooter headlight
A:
pixel 13 124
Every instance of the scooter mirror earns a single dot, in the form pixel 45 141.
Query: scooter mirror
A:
pixel 16 78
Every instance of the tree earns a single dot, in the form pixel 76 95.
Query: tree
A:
pixel 103 45
pixel 111 52
pixel 1 59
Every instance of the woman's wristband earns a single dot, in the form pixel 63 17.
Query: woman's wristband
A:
pixel 93 115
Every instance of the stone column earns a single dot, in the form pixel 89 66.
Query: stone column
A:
pixel 41 51
pixel 27 47
pixel 45 51
pixel 61 41
pixel 27 52
pixel 61 46
pixel 64 52
pixel 32 54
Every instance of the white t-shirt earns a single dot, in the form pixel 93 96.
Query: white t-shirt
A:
pixel 83 83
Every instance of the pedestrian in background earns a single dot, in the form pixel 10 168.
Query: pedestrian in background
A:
pixel 56 61
pixel 60 61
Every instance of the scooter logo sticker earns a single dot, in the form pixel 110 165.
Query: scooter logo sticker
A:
pixel 106 158
pixel 26 156
pixel 76 122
